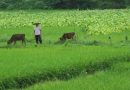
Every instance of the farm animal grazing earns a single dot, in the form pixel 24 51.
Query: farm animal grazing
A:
pixel 67 36
pixel 17 37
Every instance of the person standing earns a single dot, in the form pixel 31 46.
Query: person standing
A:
pixel 37 32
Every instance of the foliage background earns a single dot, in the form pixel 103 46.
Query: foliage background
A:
pixel 64 4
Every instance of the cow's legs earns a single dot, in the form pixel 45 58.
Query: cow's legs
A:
pixel 23 42
pixel 14 42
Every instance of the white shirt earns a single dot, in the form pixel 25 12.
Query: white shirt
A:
pixel 37 30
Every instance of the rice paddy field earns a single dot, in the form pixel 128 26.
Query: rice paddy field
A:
pixel 97 59
pixel 115 78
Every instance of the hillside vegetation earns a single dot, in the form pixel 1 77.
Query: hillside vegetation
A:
pixel 63 4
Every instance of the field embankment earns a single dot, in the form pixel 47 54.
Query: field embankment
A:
pixel 24 67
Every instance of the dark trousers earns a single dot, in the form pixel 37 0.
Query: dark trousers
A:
pixel 38 39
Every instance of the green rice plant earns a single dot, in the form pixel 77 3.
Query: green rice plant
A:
pixel 115 78
pixel 24 66
pixel 27 66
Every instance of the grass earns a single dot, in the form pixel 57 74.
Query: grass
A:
pixel 115 78
pixel 51 36
pixel 92 51
pixel 36 64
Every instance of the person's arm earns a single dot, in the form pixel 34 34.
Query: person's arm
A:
pixel 40 32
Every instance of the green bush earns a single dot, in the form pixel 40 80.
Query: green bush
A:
pixel 3 5
pixel 63 4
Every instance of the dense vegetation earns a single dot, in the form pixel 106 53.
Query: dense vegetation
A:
pixel 87 24
pixel 100 43
pixel 27 66
pixel 63 4
pixel 117 78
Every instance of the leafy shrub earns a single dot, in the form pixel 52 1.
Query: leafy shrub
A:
pixel 3 5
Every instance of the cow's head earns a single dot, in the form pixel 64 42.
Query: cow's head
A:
pixel 9 42
pixel 61 39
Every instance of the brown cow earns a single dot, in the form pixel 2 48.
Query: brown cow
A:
pixel 17 37
pixel 67 36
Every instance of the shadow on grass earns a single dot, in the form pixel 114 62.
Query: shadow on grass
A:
pixel 75 42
